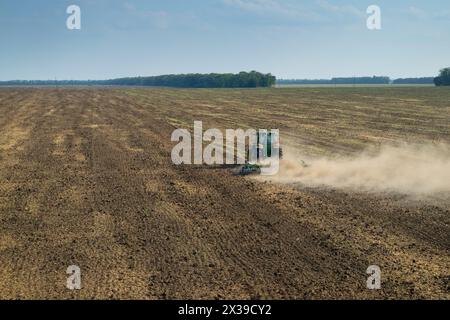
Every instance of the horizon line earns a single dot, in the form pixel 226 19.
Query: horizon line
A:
pixel 179 74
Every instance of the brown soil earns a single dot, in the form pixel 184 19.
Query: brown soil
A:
pixel 86 179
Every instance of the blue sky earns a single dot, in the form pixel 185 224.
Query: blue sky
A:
pixel 289 38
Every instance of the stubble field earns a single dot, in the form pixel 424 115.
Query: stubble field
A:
pixel 86 179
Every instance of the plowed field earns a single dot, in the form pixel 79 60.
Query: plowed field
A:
pixel 86 179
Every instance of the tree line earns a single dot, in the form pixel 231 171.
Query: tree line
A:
pixel 422 80
pixel 442 80
pixel 359 80
pixel 251 79
pixel 341 80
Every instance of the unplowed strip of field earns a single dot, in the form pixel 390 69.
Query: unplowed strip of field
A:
pixel 86 179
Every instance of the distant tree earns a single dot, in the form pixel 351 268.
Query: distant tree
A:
pixel 444 78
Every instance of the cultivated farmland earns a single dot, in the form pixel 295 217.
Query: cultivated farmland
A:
pixel 86 179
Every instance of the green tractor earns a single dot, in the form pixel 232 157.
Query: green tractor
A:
pixel 264 149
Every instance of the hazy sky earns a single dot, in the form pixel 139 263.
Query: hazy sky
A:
pixel 290 38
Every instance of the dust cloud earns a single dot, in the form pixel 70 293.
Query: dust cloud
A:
pixel 405 168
